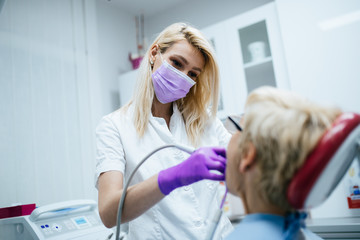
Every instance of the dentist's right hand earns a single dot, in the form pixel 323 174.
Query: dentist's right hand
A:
pixel 197 167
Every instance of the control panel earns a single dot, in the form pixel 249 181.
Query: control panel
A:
pixel 52 227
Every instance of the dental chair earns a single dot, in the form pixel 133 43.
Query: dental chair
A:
pixel 327 164
pixel 324 168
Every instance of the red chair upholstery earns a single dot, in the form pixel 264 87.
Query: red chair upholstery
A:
pixel 326 164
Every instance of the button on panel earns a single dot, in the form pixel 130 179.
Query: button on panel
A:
pixel 45 229
pixel 56 227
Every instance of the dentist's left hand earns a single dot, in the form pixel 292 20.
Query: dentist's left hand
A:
pixel 197 167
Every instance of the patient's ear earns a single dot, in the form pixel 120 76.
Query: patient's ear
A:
pixel 248 159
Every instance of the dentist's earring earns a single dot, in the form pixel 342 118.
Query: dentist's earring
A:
pixel 151 62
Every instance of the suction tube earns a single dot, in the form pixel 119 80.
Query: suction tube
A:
pixel 122 200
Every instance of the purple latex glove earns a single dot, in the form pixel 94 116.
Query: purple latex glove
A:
pixel 197 167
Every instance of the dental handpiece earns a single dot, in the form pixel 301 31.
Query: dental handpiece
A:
pixel 216 219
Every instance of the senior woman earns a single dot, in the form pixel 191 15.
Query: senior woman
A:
pixel 280 129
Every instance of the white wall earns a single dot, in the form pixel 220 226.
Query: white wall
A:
pixel 116 38
pixel 49 101
pixel 324 65
pixel 200 13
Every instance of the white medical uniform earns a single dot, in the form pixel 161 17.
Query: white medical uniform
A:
pixel 187 211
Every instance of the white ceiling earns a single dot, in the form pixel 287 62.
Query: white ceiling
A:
pixel 147 7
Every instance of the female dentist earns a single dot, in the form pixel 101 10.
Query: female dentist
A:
pixel 175 102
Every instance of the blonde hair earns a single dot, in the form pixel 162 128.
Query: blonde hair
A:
pixel 284 128
pixel 202 96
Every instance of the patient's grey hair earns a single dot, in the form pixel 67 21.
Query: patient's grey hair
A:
pixel 284 128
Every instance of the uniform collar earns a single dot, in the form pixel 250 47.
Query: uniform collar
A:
pixel 176 114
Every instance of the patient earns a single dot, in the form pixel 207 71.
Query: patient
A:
pixel 279 130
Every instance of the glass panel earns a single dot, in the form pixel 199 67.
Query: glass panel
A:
pixel 254 42
pixel 221 103
pixel 256 54
pixel 212 42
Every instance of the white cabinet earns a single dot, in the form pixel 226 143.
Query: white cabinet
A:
pixel 217 38
pixel 250 54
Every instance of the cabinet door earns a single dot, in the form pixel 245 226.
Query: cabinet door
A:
pixel 256 56
pixel 217 37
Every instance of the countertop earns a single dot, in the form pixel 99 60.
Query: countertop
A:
pixel 335 228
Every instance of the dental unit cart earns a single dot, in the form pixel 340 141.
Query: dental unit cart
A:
pixel 77 220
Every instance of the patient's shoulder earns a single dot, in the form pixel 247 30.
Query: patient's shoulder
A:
pixel 256 227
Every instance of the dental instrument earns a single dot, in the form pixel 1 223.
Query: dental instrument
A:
pixel 122 200
pixel 187 149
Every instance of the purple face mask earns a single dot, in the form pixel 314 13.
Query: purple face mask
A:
pixel 169 83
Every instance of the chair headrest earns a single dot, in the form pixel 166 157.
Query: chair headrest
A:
pixel 326 164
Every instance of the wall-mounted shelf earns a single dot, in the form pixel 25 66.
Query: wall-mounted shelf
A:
pixel 256 63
